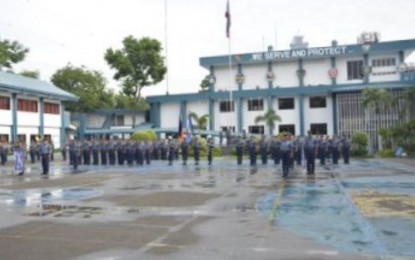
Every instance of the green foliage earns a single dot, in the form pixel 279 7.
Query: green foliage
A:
pixel 375 98
pixel 270 117
pixel 146 135
pixel 201 122
pixel 30 74
pixel 123 101
pixel 205 84
pixel 138 64
pixel 88 85
pixel 386 153
pixel 217 152
pixel 359 144
pixel 11 52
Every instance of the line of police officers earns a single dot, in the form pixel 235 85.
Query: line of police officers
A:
pixel 290 151
pixel 121 152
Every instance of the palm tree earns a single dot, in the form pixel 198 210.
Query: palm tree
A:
pixel 375 100
pixel 269 118
pixel 201 122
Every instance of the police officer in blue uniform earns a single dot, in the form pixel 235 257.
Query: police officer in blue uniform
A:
pixel 140 152
pixel 346 144
pixel 103 147
pixel 120 152
pixel 172 150
pixel 95 152
pixel 147 151
pixel 196 149
pixel 252 151
pixel 210 145
pixel 32 151
pixel 310 150
pixel 129 152
pixel 335 149
pixel 111 152
pixel 184 149
pixel 45 155
pixel 163 150
pixel 286 154
pixel 264 150
pixel 75 151
pixel 239 150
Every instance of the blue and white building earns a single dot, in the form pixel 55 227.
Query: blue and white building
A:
pixel 30 108
pixel 317 89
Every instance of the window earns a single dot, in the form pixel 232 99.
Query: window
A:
pixel 5 103
pixel 355 69
pixel 226 106
pixel 118 120
pixel 27 105
pixel 318 129
pixel 317 102
pixel 384 62
pixel 286 103
pixel 255 105
pixel 256 129
pixel 51 108
pixel 287 128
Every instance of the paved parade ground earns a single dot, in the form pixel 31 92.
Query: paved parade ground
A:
pixel 364 210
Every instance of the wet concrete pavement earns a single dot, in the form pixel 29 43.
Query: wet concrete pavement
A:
pixel 365 210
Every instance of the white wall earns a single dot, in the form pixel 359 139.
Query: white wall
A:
pixel 318 115
pixel 255 75
pixel 222 78
pixel 224 118
pixel 169 114
pixel 55 135
pixel 5 130
pixel 286 74
pixel 249 116
pixel 52 120
pixel 95 121
pixel 128 119
pixel 341 65
pixel 317 72
pixel 288 116
pixel 199 107
pixel 5 117
pixel 28 119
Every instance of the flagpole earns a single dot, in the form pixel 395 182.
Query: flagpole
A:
pixel 166 46
pixel 230 82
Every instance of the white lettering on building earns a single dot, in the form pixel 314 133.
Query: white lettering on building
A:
pixel 300 53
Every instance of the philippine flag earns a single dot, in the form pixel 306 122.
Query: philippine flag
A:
pixel 228 20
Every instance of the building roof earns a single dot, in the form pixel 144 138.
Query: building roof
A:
pixel 14 83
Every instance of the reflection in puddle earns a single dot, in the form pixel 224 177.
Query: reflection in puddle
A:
pixel 38 197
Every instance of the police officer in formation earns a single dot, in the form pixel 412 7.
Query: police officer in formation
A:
pixel 210 145
pixel 310 152
pixel 252 151
pixel 45 151
pixel 196 149
pixel 184 148
pixel 287 151
pixel 264 150
pixel 239 150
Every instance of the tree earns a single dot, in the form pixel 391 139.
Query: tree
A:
pixel 88 85
pixel 205 84
pixel 269 118
pixel 30 74
pixel 11 52
pixel 201 122
pixel 123 101
pixel 138 64
pixel 375 100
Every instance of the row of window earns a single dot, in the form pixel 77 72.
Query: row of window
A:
pixel 355 68
pixel 26 105
pixel 316 129
pixel 283 104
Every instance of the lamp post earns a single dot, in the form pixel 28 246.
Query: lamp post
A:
pixel 366 68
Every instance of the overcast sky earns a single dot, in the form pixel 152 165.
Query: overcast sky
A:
pixel 59 32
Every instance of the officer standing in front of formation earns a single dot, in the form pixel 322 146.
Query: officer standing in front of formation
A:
pixel 287 153
pixel 111 152
pixel 310 150
pixel 346 149
pixel 322 149
pixel 45 154
pixel 252 151
pixel 163 150
pixel 196 149
pixel 264 150
pixel 147 151
pixel 184 148
pixel 210 145
pixel 172 150
pixel 239 150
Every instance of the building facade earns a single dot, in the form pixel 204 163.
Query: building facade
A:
pixel 30 108
pixel 311 89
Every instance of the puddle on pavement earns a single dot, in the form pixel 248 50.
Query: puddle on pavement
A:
pixel 26 198
pixel 322 211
